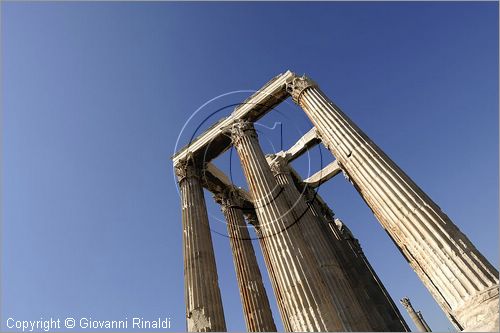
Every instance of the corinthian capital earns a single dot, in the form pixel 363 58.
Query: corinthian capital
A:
pixel 405 301
pixel 185 169
pixel 228 197
pixel 240 129
pixel 297 85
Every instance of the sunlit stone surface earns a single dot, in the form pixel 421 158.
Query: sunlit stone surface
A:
pixel 319 274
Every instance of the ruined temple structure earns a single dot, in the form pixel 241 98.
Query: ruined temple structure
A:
pixel 321 279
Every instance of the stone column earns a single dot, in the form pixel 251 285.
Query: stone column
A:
pixel 413 315
pixel 256 308
pixel 419 314
pixel 369 281
pixel 324 251
pixel 252 219
pixel 304 293
pixel 368 288
pixel 458 276
pixel 204 310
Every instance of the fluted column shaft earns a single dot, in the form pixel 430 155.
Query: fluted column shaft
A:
pixel 368 288
pixel 204 311
pixel 256 308
pixel 419 323
pixel 324 252
pixel 252 219
pixel 303 290
pixel 427 328
pixel 372 289
pixel 463 282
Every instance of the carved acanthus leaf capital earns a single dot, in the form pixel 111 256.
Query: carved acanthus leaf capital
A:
pixel 228 197
pixel 241 128
pixel 185 169
pixel 297 85
pixel 405 301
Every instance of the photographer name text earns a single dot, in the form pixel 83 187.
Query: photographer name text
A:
pixel 52 323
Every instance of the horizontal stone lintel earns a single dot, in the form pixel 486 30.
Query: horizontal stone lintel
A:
pixel 306 142
pixel 323 175
pixel 214 142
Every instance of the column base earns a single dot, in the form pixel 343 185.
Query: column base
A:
pixel 480 313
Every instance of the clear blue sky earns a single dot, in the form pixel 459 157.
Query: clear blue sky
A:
pixel 95 94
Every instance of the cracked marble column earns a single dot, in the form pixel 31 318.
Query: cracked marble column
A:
pixel 304 293
pixel 204 312
pixel 256 308
pixel 324 251
pixel 457 275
